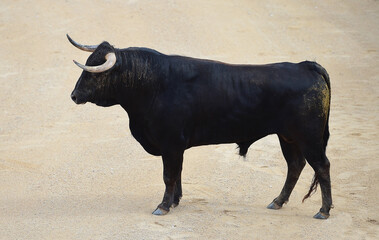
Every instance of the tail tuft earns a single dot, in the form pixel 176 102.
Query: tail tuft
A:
pixel 313 188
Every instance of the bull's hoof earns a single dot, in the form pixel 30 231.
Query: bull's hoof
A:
pixel 274 206
pixel 160 212
pixel 321 215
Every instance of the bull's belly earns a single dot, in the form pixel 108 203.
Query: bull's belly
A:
pixel 234 133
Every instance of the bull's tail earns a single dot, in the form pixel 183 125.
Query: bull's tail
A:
pixel 313 188
pixel 326 78
pixel 320 70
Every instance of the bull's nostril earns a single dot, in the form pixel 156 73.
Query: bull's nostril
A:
pixel 73 97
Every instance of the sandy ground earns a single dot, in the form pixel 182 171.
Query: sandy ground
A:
pixel 75 172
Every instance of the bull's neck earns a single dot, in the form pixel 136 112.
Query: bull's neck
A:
pixel 139 80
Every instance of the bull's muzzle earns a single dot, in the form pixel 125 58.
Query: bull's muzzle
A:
pixel 75 96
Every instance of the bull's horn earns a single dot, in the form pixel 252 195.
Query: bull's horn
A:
pixel 111 60
pixel 88 48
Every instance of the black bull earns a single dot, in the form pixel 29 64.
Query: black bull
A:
pixel 176 102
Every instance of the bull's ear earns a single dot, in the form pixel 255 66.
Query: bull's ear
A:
pixel 88 48
pixel 111 61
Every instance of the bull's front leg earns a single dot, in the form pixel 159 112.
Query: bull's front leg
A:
pixel 172 168
pixel 178 192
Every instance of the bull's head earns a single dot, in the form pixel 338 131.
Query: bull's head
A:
pixel 95 83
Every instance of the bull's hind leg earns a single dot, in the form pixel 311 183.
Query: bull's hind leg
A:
pixel 295 162
pixel 315 155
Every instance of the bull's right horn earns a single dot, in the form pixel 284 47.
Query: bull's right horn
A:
pixel 88 48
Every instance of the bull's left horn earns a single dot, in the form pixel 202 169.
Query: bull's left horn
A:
pixel 111 61
pixel 88 48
